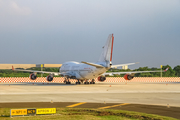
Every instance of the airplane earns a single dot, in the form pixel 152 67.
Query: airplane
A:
pixel 85 71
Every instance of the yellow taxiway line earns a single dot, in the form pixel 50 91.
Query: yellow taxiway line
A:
pixel 113 106
pixel 74 105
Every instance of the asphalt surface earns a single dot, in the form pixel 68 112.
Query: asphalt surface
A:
pixel 150 109
pixel 154 98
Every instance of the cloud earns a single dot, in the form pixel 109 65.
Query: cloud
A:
pixel 10 7
pixel 12 14
pixel 15 9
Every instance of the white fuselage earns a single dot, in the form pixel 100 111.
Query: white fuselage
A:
pixel 80 71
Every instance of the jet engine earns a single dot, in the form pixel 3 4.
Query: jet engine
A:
pixel 33 76
pixel 128 77
pixel 49 78
pixel 100 78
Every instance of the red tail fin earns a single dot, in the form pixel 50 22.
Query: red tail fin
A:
pixel 112 47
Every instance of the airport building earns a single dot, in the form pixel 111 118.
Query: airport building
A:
pixel 125 67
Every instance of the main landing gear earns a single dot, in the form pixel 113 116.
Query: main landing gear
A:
pixel 86 82
pixel 66 80
pixel 92 82
pixel 78 82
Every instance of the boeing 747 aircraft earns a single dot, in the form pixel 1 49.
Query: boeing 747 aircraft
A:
pixel 86 71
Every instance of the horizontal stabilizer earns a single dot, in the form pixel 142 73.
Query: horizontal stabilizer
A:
pixel 120 65
pixel 92 64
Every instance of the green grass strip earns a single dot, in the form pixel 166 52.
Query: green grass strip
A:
pixel 87 114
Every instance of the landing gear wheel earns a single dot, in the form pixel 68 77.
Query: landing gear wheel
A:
pixel 65 81
pixel 78 82
pixel 92 82
pixel 68 82
pixel 86 82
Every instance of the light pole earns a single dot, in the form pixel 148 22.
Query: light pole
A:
pixel 41 70
pixel 161 70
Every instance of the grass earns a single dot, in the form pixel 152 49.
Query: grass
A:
pixel 86 114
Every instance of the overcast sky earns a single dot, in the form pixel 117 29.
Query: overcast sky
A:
pixel 56 31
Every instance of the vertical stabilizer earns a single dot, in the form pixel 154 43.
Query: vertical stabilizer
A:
pixel 106 55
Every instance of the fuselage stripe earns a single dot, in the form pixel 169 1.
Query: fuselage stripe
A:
pixel 112 47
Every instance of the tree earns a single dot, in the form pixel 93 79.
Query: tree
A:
pixel 143 69
pixel 177 70
pixel 169 73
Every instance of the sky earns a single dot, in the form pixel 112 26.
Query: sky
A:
pixel 56 31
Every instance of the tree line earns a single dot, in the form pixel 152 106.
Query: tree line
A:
pixel 175 72
pixel 171 72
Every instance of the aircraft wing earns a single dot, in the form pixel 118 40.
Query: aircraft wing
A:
pixel 34 71
pixel 131 72
pixel 119 65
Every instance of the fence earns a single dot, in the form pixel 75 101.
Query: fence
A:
pixel 108 79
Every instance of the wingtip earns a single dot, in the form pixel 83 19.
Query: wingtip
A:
pixel 137 63
pixel 166 69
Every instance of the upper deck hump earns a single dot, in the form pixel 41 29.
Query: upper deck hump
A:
pixel 72 63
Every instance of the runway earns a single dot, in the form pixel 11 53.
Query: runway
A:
pixel 159 94
pixel 139 93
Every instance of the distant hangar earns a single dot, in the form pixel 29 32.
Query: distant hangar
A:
pixel 25 66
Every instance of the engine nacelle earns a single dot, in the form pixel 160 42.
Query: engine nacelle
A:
pixel 32 76
pixel 49 78
pixel 100 78
pixel 128 77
